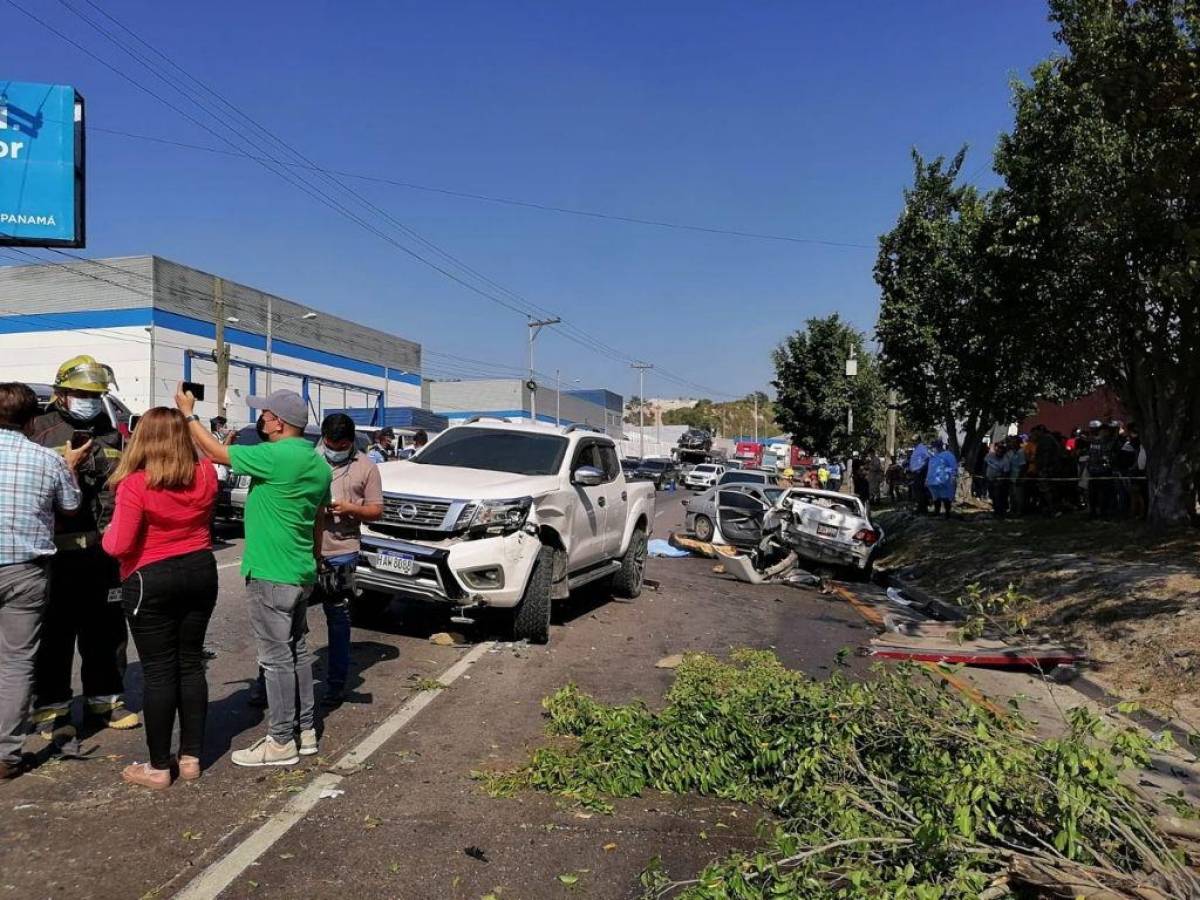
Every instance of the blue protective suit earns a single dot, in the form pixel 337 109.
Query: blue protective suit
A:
pixel 942 480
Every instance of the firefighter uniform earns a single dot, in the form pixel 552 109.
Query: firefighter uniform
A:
pixel 82 576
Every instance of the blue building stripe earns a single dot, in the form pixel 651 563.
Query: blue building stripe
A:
pixel 124 318
pixel 458 414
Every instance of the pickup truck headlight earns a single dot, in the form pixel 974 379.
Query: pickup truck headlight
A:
pixel 500 516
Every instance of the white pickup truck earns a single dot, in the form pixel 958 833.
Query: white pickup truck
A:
pixel 500 515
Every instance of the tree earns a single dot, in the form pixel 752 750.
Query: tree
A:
pixel 1102 175
pixel 813 391
pixel 950 343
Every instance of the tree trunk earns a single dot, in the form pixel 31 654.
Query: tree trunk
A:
pixel 1170 489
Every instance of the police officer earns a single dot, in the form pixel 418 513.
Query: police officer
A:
pixel 82 576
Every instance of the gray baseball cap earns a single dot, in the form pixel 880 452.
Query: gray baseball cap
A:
pixel 286 405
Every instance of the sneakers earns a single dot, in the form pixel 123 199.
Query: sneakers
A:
pixel 10 769
pixel 308 742
pixel 53 723
pixel 265 752
pixel 145 775
pixel 114 714
pixel 189 768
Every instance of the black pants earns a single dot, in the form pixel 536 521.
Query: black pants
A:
pixel 79 611
pixel 169 604
pixel 999 488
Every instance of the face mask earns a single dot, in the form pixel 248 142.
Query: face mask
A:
pixel 261 428
pixel 84 408
pixel 337 456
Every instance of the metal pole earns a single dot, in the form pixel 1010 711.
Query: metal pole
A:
pixel 535 328
pixel 269 318
pixel 892 401
pixel 222 351
pixel 641 370
pixel 558 397
pixel 153 373
pixel 756 417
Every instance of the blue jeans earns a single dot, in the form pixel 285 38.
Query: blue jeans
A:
pixel 335 599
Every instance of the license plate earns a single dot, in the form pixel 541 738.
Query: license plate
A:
pixel 400 563
pixel 827 531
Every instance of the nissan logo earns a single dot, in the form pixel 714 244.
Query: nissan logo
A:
pixel 408 512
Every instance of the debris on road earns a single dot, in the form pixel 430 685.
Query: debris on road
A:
pixel 703 548
pixel 978 652
pixel 1048 818
pixel 660 548
pixel 674 661
pixel 330 793
pixel 447 639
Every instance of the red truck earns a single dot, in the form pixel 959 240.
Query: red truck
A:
pixel 750 453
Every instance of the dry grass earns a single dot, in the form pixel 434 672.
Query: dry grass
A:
pixel 1127 595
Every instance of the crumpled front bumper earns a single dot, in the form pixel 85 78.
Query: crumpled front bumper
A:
pixel 440 568
pixel 830 551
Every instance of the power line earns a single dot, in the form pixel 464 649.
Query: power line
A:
pixel 508 201
pixel 569 331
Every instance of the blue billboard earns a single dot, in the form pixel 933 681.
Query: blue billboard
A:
pixel 41 165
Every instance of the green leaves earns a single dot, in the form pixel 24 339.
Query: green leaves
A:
pixel 891 787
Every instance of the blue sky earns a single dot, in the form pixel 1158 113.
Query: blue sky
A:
pixel 791 118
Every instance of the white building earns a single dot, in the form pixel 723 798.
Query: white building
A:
pixel 511 398
pixel 155 323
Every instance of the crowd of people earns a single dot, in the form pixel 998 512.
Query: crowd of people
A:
pixel 103 536
pixel 1100 468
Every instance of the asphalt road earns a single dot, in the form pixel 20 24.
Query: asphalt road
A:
pixel 408 809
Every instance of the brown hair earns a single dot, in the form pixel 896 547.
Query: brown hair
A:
pixel 18 404
pixel 162 447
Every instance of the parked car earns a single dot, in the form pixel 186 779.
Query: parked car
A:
pixel 662 472
pixel 821 526
pixel 747 476
pixel 703 476
pixel 700 515
pixel 232 490
pixel 507 516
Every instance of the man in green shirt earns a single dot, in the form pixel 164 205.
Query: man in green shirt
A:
pixel 289 486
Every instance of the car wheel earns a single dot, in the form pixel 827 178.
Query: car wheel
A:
pixel 370 606
pixel 704 529
pixel 531 618
pixel 627 583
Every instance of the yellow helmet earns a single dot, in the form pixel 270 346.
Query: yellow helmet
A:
pixel 789 472
pixel 84 373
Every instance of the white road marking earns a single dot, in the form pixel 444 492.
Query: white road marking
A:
pixel 222 873
pixel 229 565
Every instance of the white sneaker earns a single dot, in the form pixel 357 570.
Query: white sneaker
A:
pixel 308 742
pixel 265 752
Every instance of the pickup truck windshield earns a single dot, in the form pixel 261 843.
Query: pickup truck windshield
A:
pixel 654 465
pixel 496 450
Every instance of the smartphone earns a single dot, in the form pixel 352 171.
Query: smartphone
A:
pixel 133 423
pixel 194 388
pixel 79 438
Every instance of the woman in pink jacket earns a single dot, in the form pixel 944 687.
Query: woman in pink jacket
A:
pixel 160 536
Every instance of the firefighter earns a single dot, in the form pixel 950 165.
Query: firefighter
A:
pixel 84 603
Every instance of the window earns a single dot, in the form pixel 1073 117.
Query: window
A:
pixel 610 463
pixel 495 450
pixel 740 500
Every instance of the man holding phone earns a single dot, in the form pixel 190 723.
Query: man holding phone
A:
pixel 82 575
pixel 289 486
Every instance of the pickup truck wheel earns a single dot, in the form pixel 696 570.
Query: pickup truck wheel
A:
pixel 627 583
pixel 704 529
pixel 531 618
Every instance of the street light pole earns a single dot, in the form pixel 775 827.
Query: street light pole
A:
pixel 641 370
pixel 535 328
pixel 851 372
pixel 270 320
pixel 756 417
pixel 558 397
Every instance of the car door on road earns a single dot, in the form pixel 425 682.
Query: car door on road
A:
pixel 740 516
pixel 589 520
pixel 616 495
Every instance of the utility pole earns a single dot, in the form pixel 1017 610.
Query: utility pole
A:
pixel 222 349
pixel 641 370
pixel 535 328
pixel 153 373
pixel 558 397
pixel 270 320
pixel 756 417
pixel 851 372
pixel 893 401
